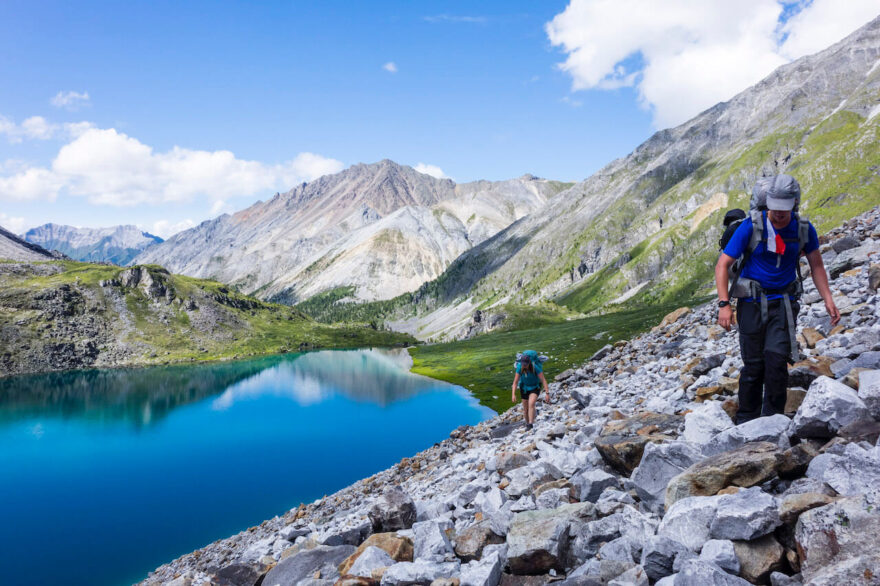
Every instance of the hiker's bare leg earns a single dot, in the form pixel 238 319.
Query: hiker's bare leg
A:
pixel 525 410
pixel 533 398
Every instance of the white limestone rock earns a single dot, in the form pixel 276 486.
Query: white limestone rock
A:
pixel 828 406
pixel 705 422
pixel 720 552
pixel 869 391
pixel 372 558
pixel 773 428
pixel 688 520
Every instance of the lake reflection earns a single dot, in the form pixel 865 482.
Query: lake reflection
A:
pixel 131 468
pixel 144 396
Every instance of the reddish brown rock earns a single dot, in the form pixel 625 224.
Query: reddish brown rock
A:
pixel 746 466
pixel 399 548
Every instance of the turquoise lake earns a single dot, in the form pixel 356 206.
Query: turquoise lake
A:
pixel 107 474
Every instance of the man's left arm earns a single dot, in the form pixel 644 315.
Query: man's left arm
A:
pixel 820 278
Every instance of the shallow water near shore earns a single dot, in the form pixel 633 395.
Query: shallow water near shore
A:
pixel 106 474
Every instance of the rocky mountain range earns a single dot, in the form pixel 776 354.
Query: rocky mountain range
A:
pixel 382 228
pixel 116 244
pixel 645 227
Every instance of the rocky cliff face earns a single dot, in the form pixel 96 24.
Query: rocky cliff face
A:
pixel 384 228
pixel 14 248
pixel 646 226
pixel 117 244
pixel 66 315
pixel 634 474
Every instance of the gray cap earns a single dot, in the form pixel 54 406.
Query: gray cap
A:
pixel 783 193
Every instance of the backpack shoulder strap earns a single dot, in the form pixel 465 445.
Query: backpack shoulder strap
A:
pixel 757 217
pixel 803 233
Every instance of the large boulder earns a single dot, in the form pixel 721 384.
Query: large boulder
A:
pixel 660 464
pixel 430 542
pixel 470 543
pixel 705 422
pixel 759 558
pixel 523 480
pixel 828 406
pixel 588 537
pixel 487 570
pixel 853 471
pixel 869 391
pixel 504 462
pixel 772 428
pixel 697 572
pixel 399 548
pixel 688 520
pixel 840 543
pixel 420 572
pixel 371 559
pixel 321 560
pixel 721 553
pixel 393 511
pixel 622 442
pixel 748 514
pixel 537 541
pixel 658 556
pixel 747 466
pixel 591 483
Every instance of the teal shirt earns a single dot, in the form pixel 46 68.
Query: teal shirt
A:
pixel 530 380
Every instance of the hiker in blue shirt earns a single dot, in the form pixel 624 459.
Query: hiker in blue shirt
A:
pixel 769 293
pixel 529 379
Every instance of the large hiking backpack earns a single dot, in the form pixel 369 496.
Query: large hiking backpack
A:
pixel 530 356
pixel 757 215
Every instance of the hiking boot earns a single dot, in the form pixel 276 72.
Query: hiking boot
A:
pixel 529 426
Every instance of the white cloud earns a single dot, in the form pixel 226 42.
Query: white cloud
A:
pixel 35 127
pixel 13 224
pixel 165 228
pixel 691 54
pixel 220 207
pixel 390 67
pixel 432 170
pixel 108 167
pixel 70 100
pixel 34 183
pixel 823 23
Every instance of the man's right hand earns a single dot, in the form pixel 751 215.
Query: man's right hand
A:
pixel 725 316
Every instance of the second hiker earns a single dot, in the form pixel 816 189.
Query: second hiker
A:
pixel 529 379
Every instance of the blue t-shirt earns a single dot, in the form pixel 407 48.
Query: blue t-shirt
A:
pixel 530 380
pixel 761 265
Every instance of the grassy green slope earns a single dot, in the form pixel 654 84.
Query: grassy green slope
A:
pixel 484 364
pixel 837 163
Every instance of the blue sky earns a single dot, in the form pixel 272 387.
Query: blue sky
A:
pixel 164 114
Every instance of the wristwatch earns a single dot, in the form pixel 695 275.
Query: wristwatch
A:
pixel 723 303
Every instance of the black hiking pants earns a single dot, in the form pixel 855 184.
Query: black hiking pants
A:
pixel 765 348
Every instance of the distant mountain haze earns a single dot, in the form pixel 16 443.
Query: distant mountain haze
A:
pixel 117 244
pixel 383 228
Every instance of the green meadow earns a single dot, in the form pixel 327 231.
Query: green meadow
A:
pixel 484 364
